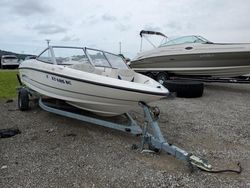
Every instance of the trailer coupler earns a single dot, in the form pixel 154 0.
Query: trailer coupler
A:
pixel 199 163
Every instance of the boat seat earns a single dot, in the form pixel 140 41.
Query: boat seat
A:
pixel 86 67
pixel 123 74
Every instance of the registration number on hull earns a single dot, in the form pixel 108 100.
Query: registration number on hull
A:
pixel 59 80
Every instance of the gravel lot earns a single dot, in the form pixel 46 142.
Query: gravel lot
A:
pixel 216 127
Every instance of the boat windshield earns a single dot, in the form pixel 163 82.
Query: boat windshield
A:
pixel 105 59
pixel 74 55
pixel 116 61
pixel 70 56
pixel 186 39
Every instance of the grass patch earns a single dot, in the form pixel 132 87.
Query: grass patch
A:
pixel 8 84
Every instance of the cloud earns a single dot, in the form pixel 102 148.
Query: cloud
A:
pixel 122 27
pixel 173 26
pixel 90 20
pixel 67 38
pixel 151 27
pixel 22 20
pixel 107 17
pixel 4 3
pixel 49 29
pixel 95 19
pixel 29 7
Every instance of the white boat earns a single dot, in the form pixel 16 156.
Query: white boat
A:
pixel 194 56
pixel 89 79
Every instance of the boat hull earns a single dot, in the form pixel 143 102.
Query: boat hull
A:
pixel 78 89
pixel 199 62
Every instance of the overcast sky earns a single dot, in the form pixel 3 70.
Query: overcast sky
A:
pixel 25 24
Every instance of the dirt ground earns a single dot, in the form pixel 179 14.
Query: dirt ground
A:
pixel 55 151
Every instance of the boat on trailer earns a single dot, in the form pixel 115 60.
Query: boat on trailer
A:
pixel 99 82
pixel 89 79
pixel 193 56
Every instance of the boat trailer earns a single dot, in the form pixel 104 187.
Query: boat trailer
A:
pixel 150 133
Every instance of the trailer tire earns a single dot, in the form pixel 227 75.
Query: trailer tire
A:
pixel 162 77
pixel 185 89
pixel 23 99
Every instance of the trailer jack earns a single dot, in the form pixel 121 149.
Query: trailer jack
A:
pixel 156 141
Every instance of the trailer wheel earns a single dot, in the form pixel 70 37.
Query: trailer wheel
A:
pixel 185 89
pixel 162 77
pixel 23 99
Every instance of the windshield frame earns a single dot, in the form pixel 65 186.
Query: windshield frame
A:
pixel 198 40
pixel 104 52
pixel 85 51
pixel 91 60
pixel 119 56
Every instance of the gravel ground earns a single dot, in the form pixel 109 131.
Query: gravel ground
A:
pixel 54 151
